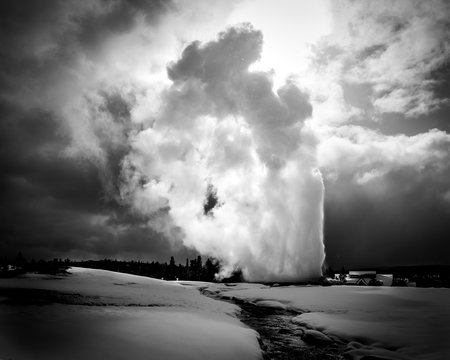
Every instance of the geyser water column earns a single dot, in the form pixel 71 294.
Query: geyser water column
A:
pixel 229 165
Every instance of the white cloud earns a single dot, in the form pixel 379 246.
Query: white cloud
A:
pixel 368 155
pixel 394 47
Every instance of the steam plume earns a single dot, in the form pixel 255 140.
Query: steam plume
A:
pixel 229 166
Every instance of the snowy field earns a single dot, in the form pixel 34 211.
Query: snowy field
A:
pixel 94 314
pixel 382 322
pixel 97 314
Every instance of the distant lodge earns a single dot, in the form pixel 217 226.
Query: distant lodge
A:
pixel 368 278
pixel 433 276
pixel 411 276
pixel 363 278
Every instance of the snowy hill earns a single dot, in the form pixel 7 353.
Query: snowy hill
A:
pixel 97 314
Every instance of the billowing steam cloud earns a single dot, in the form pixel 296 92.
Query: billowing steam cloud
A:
pixel 229 166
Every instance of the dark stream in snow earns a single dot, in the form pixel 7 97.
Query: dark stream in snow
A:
pixel 279 337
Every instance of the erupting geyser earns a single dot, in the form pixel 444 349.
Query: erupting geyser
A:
pixel 229 166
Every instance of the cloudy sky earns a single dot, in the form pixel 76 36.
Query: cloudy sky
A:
pixel 121 119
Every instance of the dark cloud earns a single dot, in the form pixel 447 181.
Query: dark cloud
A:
pixel 401 219
pixel 87 23
pixel 107 18
pixel 41 40
pixel 358 94
pixel 216 61
pixel 441 80
pixel 372 51
pixel 391 63
pixel 56 207
pixel 397 123
pixel 112 135
pixel 53 203
pixel 213 79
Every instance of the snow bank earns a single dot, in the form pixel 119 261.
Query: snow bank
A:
pixel 315 337
pixel 389 322
pixel 120 316
pixel 271 304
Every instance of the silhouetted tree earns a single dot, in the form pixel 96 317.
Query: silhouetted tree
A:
pixel 20 260
pixel 211 269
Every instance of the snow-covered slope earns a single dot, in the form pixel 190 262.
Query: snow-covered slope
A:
pixel 97 314
pixel 388 322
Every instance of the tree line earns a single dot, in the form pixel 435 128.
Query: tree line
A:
pixel 193 269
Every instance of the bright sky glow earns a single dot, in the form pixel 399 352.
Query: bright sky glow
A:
pixel 290 28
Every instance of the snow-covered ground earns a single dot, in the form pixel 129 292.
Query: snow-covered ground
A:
pixel 104 315
pixel 94 314
pixel 388 322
